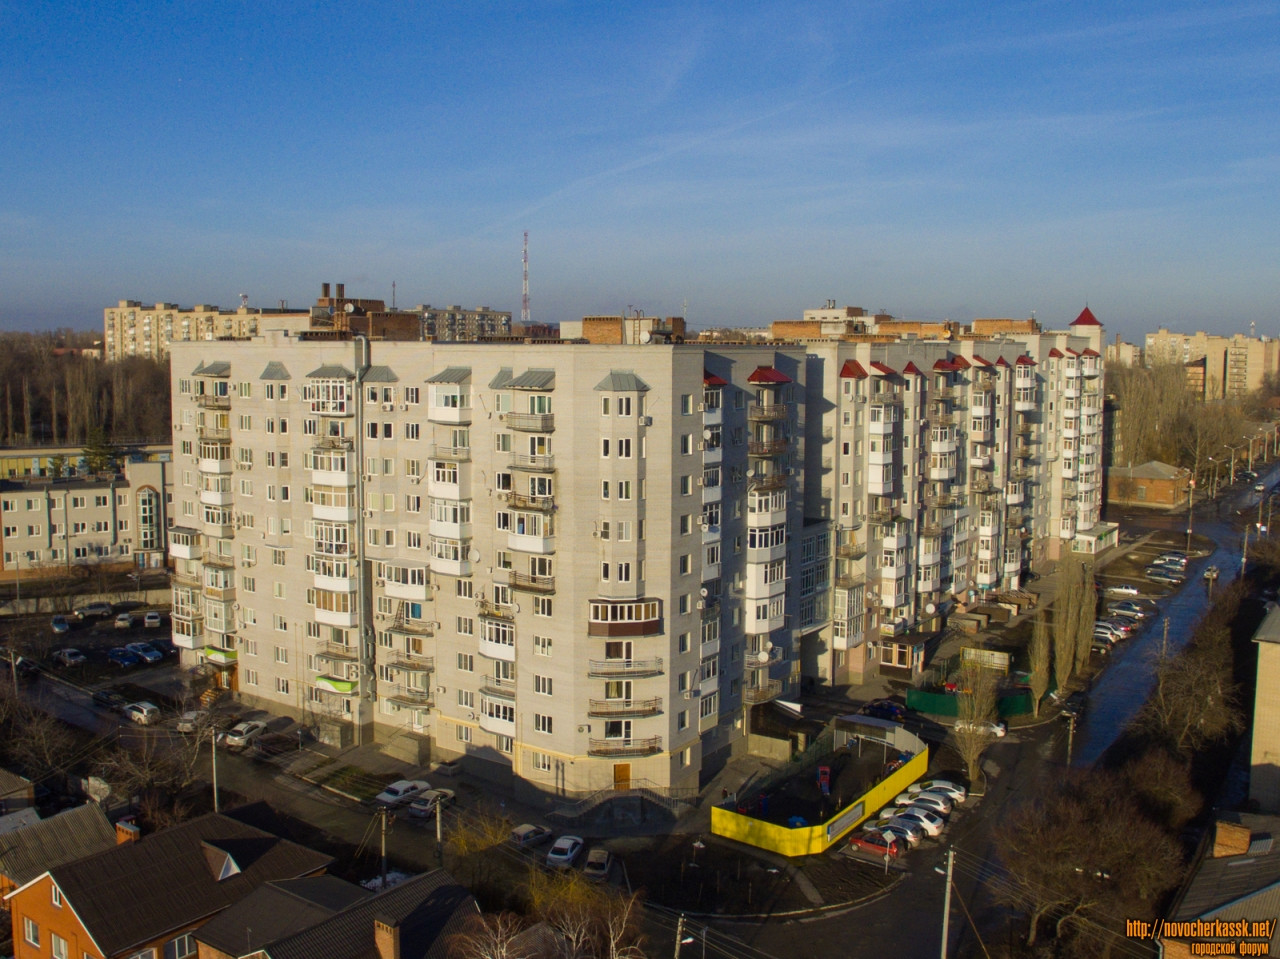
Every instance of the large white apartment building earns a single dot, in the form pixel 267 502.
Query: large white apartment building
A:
pixel 585 564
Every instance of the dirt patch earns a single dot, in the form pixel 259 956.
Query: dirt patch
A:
pixel 725 879
pixel 355 781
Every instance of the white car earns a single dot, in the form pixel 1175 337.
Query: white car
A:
pixel 530 835
pixel 936 802
pixel 402 791
pixel 908 832
pixel 144 713
pixel 152 620
pixel 926 819
pixel 564 852
pixel 429 803
pixel 998 730
pixel 599 862
pixel 955 792
pixel 242 734
pixel 1123 589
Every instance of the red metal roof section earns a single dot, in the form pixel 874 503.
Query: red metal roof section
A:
pixel 1086 318
pixel 912 369
pixel 1025 360
pixel 980 361
pixel 710 379
pixel 1073 352
pixel 767 374
pixel 960 363
pixel 1001 361
pixel 1056 354
pixel 883 370
pixel 944 366
pixel 1089 351
pixel 852 368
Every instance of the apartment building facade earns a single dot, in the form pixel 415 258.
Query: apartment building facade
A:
pixel 131 328
pixel 115 518
pixel 586 563
pixel 1217 366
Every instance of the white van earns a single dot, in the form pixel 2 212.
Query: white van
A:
pixel 144 713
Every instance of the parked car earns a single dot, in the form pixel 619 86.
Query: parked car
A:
pixel 884 709
pixel 1104 626
pixel 910 833
pixel 143 713
pixel 1123 589
pixel 124 621
pixel 1075 705
pixel 877 843
pixel 109 699
pixel 1128 607
pixel 402 791
pixel 936 802
pixel 193 720
pixel 598 865
pixel 70 657
pixel 1101 648
pixel 1166 577
pixel 59 624
pixel 1175 559
pixel 564 851
pixel 1259 487
pixel 998 729
pixel 429 803
pixel 529 835
pixel 94 611
pixel 144 652
pixel 925 819
pixel 242 734
pixel 164 647
pixel 956 792
pixel 152 620
pixel 123 658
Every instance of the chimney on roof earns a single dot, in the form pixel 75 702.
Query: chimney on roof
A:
pixel 342 291
pixel 1230 839
pixel 127 832
pixel 386 937
pixel 324 290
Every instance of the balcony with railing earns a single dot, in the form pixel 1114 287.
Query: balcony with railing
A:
pixel 635 746
pixel 624 668
pixel 767 414
pixel 754 695
pixel 411 696
pixel 624 708
pixel 530 583
pixel 487 607
pixel 405 662
pixel 441 451
pixel 218 434
pixel 772 481
pixel 774 447
pixel 188 579
pixel 543 504
pixel 328 443
pixel 499 687
pixel 531 422
pixel 537 462
pixel 851 549
pixel 337 652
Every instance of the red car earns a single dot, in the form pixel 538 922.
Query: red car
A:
pixel 876 843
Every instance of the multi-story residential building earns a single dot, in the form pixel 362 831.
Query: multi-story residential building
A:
pixel 584 563
pixel 132 329
pixel 87 520
pixel 1217 366
pixel 453 323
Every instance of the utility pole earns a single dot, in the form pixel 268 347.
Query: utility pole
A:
pixel 679 934
pixel 213 744
pixel 1244 555
pixel 1071 736
pixel 439 834
pixel 946 903
pixel 382 814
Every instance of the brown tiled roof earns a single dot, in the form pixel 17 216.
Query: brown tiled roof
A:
pixel 137 892
pixel 66 837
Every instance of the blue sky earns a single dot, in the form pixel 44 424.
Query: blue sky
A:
pixel 751 159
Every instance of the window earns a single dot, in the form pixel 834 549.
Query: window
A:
pixel 541 723
pixel 542 606
pixel 542 645
pixel 462 734
pixel 282 654
pixel 282 685
pixel 30 931
pixel 182 947
pixel 466 663
pixel 58 946
pixel 541 762
pixel 467 698
pixel 686 404
pixel 542 685
pixel 57 896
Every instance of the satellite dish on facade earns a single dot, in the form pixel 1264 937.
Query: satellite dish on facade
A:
pixel 768 645
pixel 474 556
pixel 751 474
pixel 762 657
pixel 706 434
pixel 646 336
pixel 703 591
pixel 930 608
pixel 350 307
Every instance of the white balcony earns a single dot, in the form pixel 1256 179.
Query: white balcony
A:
pixel 506 652
pixel 1071 391
pixel 497 725
pixel 1014 495
pixel 1068 528
pixel 331 617
pixel 880 485
pixel 981 460
pixel 444 490
pixel 450 567
pixel 1070 429
pixel 184 543
pixel 766 554
pixel 930 555
pixel 531 544
pixel 219 466
pixel 881 457
pixel 212 497
pixel 988 577
pixel 760 624
pixel 897 539
pixel 340 478
pixel 712 494
pixel 929 582
pixel 453 415
pixel 419 592
pixel 1012 567
pixel 946 444
pixel 335 514
pixel 943 472
pixel 1068 469
pixel 443 530
pixel 890 574
pixel 1071 372
pixel 335 584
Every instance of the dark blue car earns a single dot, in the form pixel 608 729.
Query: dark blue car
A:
pixel 123 658
pixel 884 709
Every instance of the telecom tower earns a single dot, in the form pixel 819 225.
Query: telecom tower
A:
pixel 524 303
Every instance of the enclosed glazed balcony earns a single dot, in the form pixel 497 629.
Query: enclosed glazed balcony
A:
pixel 184 542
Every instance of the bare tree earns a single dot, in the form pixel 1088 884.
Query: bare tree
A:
pixel 975 707
pixel 1086 610
pixel 472 841
pixel 592 922
pixel 491 936
pixel 1194 701
pixel 1041 656
pixel 39 742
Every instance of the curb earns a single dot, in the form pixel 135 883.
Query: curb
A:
pixel 798 915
